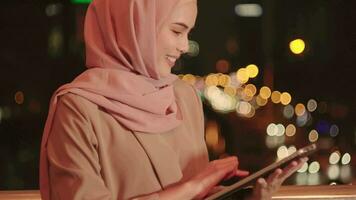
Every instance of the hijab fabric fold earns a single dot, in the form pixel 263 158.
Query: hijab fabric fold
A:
pixel 122 76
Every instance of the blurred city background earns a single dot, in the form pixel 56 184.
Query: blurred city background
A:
pixel 274 75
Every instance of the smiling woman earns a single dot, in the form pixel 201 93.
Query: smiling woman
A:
pixel 127 127
pixel 173 35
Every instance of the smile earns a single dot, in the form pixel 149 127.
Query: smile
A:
pixel 171 60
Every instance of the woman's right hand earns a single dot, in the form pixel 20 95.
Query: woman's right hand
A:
pixel 202 184
pixel 213 173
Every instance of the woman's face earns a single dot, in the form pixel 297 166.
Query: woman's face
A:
pixel 172 37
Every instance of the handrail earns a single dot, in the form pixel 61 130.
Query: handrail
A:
pixel 320 192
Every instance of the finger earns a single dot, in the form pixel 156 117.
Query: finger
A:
pixel 271 178
pixel 260 189
pixel 241 173
pixel 291 168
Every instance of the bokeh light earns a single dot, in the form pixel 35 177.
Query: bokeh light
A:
pixel 291 130
pixel 297 46
pixel 280 130
pixel 212 134
pixel 334 130
pixel 272 129
pixel 19 97
pixel 292 149
pixel 193 48
pixel 222 66
pixel 313 136
pixel 265 92
pixel 334 157
pixel 312 105
pixel 248 10
pixel 276 97
pixel 304 168
pixel 346 159
pixel 250 89
pixel 346 174
pixel 282 152
pixel 211 80
pixel 224 80
pixel 286 98
pixel 261 101
pixel 230 91
pixel 299 109
pixel 242 75
pixel 304 119
pixel 189 78
pixel 252 70
pixel 288 111
pixel 333 172
pixel 243 108
pixel 272 141
pixel 314 167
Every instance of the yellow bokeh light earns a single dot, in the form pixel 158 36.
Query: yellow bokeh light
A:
pixel 286 98
pixel 292 149
pixel 224 80
pixel 189 78
pixel 290 130
pixel 299 109
pixel 219 148
pixel 230 91
pixel 240 92
pixel 276 97
pixel 261 101
pixel 242 75
pixel 212 80
pixel 265 92
pixel 19 97
pixel 250 90
pixel 282 152
pixel 212 133
pixel 313 136
pixel 252 70
pixel 297 46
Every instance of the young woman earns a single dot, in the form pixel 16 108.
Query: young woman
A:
pixel 128 128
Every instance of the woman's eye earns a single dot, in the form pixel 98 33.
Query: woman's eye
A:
pixel 176 32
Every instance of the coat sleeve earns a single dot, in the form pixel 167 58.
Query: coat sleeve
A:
pixel 74 168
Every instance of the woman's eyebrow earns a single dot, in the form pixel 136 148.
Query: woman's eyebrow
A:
pixel 183 25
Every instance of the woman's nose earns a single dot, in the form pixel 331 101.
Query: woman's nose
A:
pixel 184 46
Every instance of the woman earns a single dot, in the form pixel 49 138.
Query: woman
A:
pixel 126 127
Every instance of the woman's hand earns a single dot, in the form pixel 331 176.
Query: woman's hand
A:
pixel 264 189
pixel 214 172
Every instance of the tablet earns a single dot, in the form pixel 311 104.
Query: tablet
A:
pixel 229 190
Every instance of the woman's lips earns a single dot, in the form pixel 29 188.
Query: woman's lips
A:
pixel 171 60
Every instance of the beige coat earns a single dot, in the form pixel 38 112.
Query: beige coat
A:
pixel 91 156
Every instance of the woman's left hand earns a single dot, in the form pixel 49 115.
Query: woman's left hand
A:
pixel 265 188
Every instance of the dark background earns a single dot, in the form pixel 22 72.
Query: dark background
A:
pixel 41 47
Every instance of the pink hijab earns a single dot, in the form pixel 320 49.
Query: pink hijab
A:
pixel 120 38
